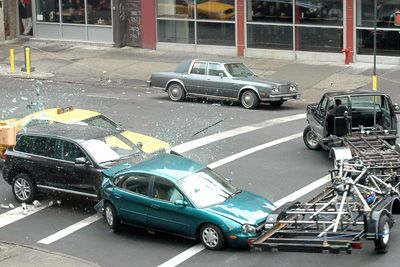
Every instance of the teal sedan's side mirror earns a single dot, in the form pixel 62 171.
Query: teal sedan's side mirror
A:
pixel 181 203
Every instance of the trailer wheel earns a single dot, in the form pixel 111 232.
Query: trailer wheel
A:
pixel 382 242
pixel 310 139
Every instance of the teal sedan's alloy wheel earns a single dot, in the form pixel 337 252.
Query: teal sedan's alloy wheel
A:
pixel 111 216
pixel 211 237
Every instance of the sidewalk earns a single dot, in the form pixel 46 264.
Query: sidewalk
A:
pixel 12 255
pixel 105 65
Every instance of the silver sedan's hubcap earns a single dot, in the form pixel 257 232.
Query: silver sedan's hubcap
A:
pixel 248 99
pixel 109 216
pixel 386 233
pixel 176 92
pixel 210 237
pixel 22 189
pixel 311 139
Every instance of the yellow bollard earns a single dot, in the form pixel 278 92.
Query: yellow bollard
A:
pixel 28 60
pixel 374 82
pixel 12 60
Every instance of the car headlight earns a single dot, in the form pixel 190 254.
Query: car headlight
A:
pixel 293 87
pixel 247 228
pixel 276 88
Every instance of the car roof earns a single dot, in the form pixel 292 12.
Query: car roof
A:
pixel 70 115
pixel 352 92
pixel 169 166
pixel 223 61
pixel 71 131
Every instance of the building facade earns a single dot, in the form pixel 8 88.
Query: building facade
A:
pixel 286 29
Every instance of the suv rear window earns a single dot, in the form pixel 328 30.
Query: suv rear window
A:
pixel 37 145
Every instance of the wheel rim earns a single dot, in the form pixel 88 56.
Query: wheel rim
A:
pixel 210 237
pixel 175 92
pixel 386 233
pixel 109 216
pixel 247 99
pixel 311 139
pixel 22 189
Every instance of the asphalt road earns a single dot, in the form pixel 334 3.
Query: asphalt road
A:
pixel 274 172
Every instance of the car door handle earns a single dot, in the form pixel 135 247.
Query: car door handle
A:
pixel 117 196
pixel 59 167
pixel 29 161
pixel 155 206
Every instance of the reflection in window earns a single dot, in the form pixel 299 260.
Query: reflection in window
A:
pixel 175 8
pixel 327 12
pixel 215 9
pixel 385 13
pixel 215 69
pixel 175 31
pixel 271 11
pixel 47 11
pixel 99 12
pixel 73 11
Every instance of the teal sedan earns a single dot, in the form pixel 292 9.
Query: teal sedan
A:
pixel 174 194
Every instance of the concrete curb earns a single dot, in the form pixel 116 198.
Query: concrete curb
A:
pixel 73 260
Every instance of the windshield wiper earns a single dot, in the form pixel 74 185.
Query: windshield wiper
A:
pixel 238 191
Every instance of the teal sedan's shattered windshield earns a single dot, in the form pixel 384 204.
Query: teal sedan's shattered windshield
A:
pixel 206 188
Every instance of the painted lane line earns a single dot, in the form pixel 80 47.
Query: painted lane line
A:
pixel 182 148
pixel 70 229
pixel 303 191
pixel 178 259
pixel 253 150
pixel 187 254
pixel 17 214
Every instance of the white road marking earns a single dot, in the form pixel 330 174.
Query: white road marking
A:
pixel 187 254
pixel 253 150
pixel 17 214
pixel 182 148
pixel 70 229
pixel 178 259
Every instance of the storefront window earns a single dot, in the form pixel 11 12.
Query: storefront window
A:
pixel 216 33
pixel 271 11
pixel 208 22
pixel 387 42
pixel 175 8
pixel 215 9
pixel 385 13
pixel 47 11
pixel 73 11
pixel 99 12
pixel 175 31
pixel 270 36
pixel 319 39
pixel 319 12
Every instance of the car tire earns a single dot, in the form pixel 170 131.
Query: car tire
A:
pixel 111 216
pixel 249 99
pixel 23 188
pixel 176 92
pixel 276 103
pixel 384 227
pixel 310 139
pixel 212 237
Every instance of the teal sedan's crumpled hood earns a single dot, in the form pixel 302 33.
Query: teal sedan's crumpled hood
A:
pixel 244 207
pixel 268 81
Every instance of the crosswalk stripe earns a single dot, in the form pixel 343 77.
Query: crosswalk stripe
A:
pixel 18 213
pixel 70 229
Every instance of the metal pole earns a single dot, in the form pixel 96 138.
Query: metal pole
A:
pixel 374 77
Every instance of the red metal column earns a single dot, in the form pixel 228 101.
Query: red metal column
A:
pixel 148 20
pixel 240 24
pixel 350 29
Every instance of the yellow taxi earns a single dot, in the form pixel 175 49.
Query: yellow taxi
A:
pixel 215 9
pixel 73 115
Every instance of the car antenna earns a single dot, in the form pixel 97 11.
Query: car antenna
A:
pixel 208 127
